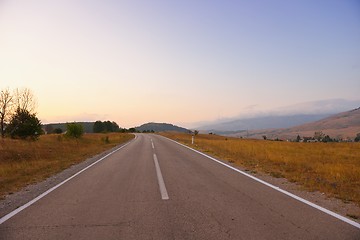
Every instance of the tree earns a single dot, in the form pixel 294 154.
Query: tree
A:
pixel 319 136
pixel 327 138
pixel 105 126
pixel 357 138
pixel 108 126
pixel 298 138
pixel 25 99
pixel 24 125
pixel 115 127
pixel 74 130
pixel 6 102
pixel 98 127
pixel 132 130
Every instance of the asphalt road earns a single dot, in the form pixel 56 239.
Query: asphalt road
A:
pixel 154 188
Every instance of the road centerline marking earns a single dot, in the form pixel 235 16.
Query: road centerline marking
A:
pixel 152 144
pixel 164 194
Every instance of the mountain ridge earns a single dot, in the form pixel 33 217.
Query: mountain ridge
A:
pixel 344 125
pixel 281 117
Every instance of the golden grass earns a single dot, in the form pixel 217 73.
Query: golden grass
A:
pixel 25 162
pixel 332 168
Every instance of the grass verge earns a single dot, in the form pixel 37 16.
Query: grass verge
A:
pixel 26 162
pixel 331 168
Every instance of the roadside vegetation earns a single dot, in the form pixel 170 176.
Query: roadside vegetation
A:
pixel 26 162
pixel 27 156
pixel 331 168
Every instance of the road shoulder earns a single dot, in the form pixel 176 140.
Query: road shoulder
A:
pixel 17 199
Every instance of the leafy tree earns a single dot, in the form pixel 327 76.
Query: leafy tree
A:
pixel 115 127
pixel 132 130
pixel 74 130
pixel 327 138
pixel 298 138
pixel 108 126
pixel 357 138
pixel 24 125
pixel 98 127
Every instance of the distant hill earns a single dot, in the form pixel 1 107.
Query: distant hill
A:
pixel 88 126
pixel 160 127
pixel 342 125
pixel 283 117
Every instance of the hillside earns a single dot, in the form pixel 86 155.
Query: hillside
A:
pixel 264 122
pixel 161 127
pixel 343 125
pixel 282 117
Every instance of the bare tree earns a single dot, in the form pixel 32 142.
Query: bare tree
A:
pixel 25 100
pixel 6 103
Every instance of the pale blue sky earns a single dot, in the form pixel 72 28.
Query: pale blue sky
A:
pixel 178 61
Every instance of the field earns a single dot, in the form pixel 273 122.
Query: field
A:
pixel 331 168
pixel 25 162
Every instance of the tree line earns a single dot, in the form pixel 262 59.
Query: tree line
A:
pixel 106 126
pixel 18 118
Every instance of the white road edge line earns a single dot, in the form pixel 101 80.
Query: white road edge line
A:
pixel 16 211
pixel 164 194
pixel 338 216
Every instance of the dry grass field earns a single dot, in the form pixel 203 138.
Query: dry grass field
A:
pixel 332 168
pixel 25 162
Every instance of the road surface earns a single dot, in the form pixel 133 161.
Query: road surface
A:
pixel 153 188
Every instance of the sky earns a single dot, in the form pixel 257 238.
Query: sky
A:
pixel 178 61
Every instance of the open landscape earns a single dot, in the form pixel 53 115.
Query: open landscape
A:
pixel 343 126
pixel 332 168
pixel 179 120
pixel 26 162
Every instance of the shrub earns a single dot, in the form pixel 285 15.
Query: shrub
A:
pixel 74 130
pixel 57 131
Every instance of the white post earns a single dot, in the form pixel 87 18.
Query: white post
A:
pixel 192 139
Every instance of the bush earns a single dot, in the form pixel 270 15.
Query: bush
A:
pixel 57 131
pixel 74 130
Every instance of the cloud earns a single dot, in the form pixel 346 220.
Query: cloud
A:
pixel 328 106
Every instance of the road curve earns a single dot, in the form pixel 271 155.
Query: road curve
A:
pixel 154 188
